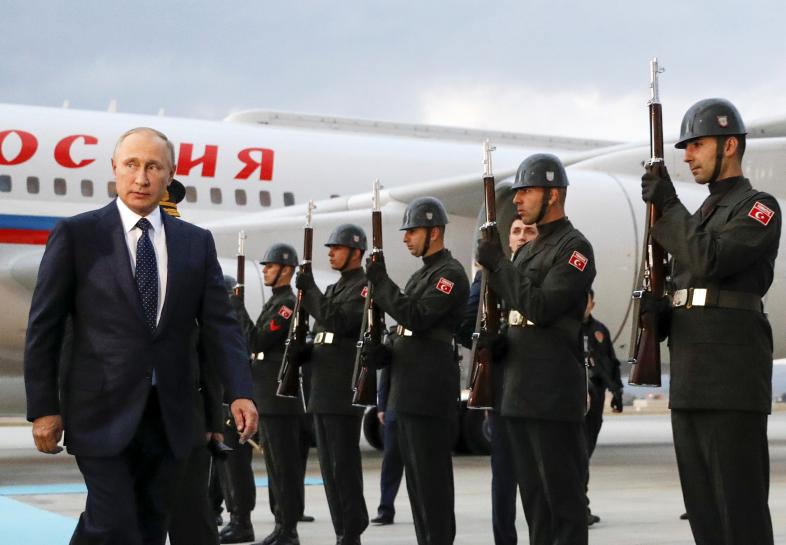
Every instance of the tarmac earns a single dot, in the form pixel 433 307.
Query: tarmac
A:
pixel 634 488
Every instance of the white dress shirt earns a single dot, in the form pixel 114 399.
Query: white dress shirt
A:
pixel 157 236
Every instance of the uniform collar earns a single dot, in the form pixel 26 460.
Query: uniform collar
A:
pixel 129 218
pixel 433 258
pixel 282 289
pixel 349 275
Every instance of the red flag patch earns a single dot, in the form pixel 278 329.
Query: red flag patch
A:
pixel 578 260
pixel 445 286
pixel 364 292
pixel 761 213
pixel 285 312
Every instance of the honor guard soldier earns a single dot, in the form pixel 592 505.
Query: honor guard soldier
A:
pixel 720 341
pixel 604 374
pixel 279 428
pixel 424 374
pixel 338 314
pixel 544 392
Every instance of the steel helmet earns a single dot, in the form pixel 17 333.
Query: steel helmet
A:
pixel 348 235
pixel 540 170
pixel 281 254
pixel 424 212
pixel 710 117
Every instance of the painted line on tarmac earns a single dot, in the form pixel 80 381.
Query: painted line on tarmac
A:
pixel 24 524
pixel 79 488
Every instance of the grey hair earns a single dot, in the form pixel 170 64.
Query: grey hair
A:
pixel 162 136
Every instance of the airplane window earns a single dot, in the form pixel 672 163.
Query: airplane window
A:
pixel 87 188
pixel 60 186
pixel 5 183
pixel 215 195
pixel 191 193
pixel 111 190
pixel 32 184
pixel 240 196
pixel 264 198
pixel 289 198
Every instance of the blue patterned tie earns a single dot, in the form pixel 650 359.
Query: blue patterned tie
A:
pixel 147 275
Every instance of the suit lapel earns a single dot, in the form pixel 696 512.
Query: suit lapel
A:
pixel 177 253
pixel 110 231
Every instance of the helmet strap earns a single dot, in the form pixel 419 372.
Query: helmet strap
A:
pixel 720 142
pixel 346 260
pixel 544 205
pixel 427 242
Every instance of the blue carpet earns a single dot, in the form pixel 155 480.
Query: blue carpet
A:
pixel 24 524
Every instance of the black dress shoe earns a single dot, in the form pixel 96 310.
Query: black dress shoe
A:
pixel 271 537
pixel 349 540
pixel 287 537
pixel 684 516
pixel 592 519
pixel 306 518
pixel 382 520
pixel 239 530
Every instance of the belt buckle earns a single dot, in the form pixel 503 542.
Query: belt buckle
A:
pixel 318 337
pixel 680 298
pixel 515 318
pixel 699 298
pixel 260 356
pixel 328 338
pixel 403 331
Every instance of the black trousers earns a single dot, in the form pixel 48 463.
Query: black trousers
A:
pixel 193 521
pixel 592 424
pixel 281 440
pixel 338 439
pixel 426 443
pixel 392 469
pixel 550 459
pixel 237 476
pixel 503 484
pixel 129 495
pixel 724 466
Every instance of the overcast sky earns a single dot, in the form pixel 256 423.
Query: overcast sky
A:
pixel 567 68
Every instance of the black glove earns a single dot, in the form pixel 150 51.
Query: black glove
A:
pixel 656 186
pixel 616 401
pixel 304 280
pixel 377 354
pixel 298 353
pixel 490 253
pixel 498 344
pixel 376 272
pixel 660 307
pixel 218 449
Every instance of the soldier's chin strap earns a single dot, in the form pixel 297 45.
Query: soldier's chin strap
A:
pixel 346 261
pixel 544 205
pixel 278 275
pixel 427 242
pixel 720 144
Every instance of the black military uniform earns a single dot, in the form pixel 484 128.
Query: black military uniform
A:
pixel 544 390
pixel 604 374
pixel 338 315
pixel 720 341
pixel 424 374
pixel 279 417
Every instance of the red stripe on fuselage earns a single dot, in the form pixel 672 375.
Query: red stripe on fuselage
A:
pixel 23 236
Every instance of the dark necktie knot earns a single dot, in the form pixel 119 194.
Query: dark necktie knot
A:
pixel 143 224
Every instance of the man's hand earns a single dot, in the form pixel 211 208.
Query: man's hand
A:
pixel 377 354
pixel 381 417
pixel 304 280
pixel 490 253
pixel 616 401
pixel 376 271
pixel 47 432
pixel 656 186
pixel 245 413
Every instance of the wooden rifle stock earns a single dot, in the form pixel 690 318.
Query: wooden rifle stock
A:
pixel 364 376
pixel 481 395
pixel 645 343
pixel 289 374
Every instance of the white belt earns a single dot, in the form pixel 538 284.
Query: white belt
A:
pixel 324 337
pixel 515 318
pixel 690 297
pixel 403 331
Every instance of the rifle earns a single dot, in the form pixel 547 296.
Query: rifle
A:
pixel 240 289
pixel 645 347
pixel 364 376
pixel 288 375
pixel 487 321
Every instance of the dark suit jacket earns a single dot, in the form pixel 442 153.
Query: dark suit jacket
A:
pixel 86 272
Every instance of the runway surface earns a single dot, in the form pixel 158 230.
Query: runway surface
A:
pixel 634 488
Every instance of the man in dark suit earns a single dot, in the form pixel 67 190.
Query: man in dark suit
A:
pixel 136 283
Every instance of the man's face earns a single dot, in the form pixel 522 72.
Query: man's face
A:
pixel 339 256
pixel 528 202
pixel 270 272
pixel 700 154
pixel 142 170
pixel 415 240
pixel 520 234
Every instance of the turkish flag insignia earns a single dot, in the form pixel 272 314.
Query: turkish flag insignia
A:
pixel 445 286
pixel 364 292
pixel 578 260
pixel 761 213
pixel 285 312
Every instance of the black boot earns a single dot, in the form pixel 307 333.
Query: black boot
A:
pixel 239 529
pixel 287 537
pixel 271 538
pixel 349 540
